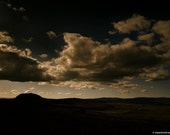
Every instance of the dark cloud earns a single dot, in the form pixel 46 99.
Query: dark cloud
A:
pixel 143 91
pixel 43 55
pixel 16 9
pixel 147 38
pixel 17 65
pixel 85 59
pixel 51 34
pixel 28 40
pixel 136 23
pixel 5 37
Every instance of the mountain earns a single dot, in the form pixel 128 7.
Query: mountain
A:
pixel 31 114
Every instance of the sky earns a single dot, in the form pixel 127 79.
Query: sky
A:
pixel 84 50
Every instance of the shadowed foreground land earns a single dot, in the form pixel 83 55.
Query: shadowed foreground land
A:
pixel 31 114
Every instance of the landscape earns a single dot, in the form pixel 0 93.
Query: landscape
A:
pixel 84 67
pixel 31 114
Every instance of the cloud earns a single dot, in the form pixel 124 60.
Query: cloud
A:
pixel 15 92
pixel 155 74
pixel 112 32
pixel 80 85
pixel 43 83
pixel 16 9
pixel 125 91
pixel 124 85
pixel 51 34
pixel 27 91
pixel 162 28
pixel 32 88
pixel 136 23
pixel 43 55
pixel 19 10
pixel 59 93
pixel 28 40
pixel 5 38
pixel 79 94
pixel 67 93
pixel 18 65
pixel 143 91
pixel 85 59
pixel 147 38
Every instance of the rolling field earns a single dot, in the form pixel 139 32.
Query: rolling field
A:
pixel 31 114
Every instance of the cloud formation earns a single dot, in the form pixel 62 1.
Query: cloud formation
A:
pixel 51 34
pixel 143 91
pixel 85 59
pixel 18 65
pixel 16 9
pixel 5 37
pixel 43 55
pixel 146 55
pixel 136 23
pixel 19 10
pixel 28 40
pixel 80 85
pixel 124 85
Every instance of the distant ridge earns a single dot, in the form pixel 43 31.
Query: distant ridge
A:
pixel 32 114
pixel 32 99
pixel 139 100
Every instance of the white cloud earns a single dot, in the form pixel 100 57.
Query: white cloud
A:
pixel 42 83
pixel 143 91
pixel 28 40
pixel 19 65
pixel 59 93
pixel 15 92
pixel 13 49
pixel 85 59
pixel 43 55
pixel 51 34
pixel 80 85
pixel 125 91
pixel 124 85
pixel 32 88
pixel 79 94
pixel 28 91
pixel 5 38
pixel 16 9
pixel 67 93
pixel 162 28
pixel 148 38
pixel 9 5
pixel 112 32
pixel 56 51
pixel 21 9
pixel 136 23
pixel 155 74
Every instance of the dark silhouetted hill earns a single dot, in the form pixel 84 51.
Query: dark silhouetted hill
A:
pixel 28 97
pixel 31 114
